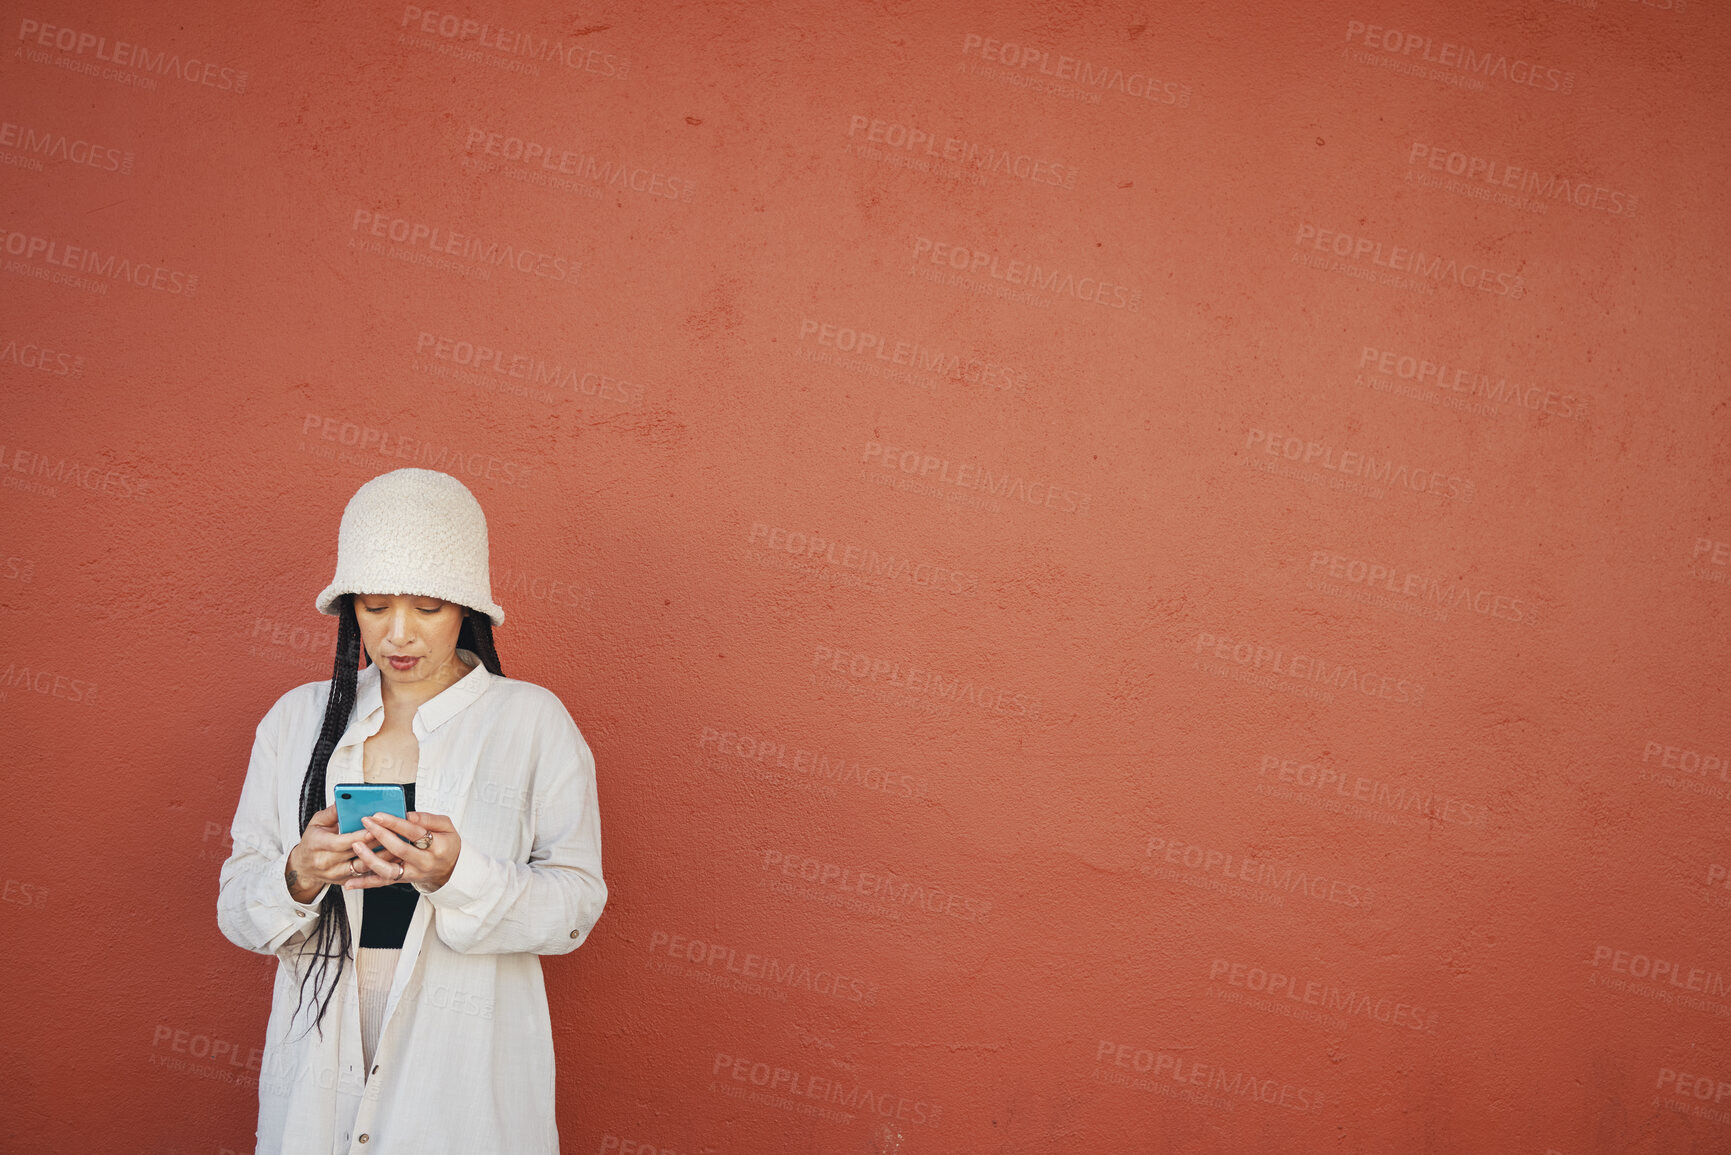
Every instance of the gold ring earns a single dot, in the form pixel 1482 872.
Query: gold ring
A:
pixel 401 870
pixel 423 842
pixel 352 869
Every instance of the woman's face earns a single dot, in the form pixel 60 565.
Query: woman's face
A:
pixel 410 638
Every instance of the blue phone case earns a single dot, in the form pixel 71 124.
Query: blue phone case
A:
pixel 357 799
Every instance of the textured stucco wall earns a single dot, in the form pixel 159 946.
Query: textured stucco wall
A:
pixel 1233 660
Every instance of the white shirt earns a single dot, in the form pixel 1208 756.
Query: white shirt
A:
pixel 465 1057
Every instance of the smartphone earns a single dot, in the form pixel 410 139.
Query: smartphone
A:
pixel 358 799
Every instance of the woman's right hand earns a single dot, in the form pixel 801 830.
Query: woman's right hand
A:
pixel 323 855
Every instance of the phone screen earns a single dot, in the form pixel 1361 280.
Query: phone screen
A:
pixel 358 799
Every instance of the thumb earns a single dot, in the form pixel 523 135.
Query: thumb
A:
pixel 325 817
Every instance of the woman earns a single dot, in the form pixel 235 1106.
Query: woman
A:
pixel 408 1013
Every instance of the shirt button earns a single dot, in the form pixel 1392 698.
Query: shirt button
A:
pixel 575 933
pixel 363 1137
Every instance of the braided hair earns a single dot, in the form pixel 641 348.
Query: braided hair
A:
pixel 330 938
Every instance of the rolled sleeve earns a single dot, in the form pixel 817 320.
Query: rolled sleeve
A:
pixel 473 879
pixel 254 909
pixel 549 904
pixel 302 909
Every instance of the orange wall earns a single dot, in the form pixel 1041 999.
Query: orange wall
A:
pixel 1286 652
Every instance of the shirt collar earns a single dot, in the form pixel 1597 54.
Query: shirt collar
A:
pixel 431 714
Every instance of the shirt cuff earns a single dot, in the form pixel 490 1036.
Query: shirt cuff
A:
pixel 304 911
pixel 467 883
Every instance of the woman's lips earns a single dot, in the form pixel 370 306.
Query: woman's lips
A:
pixel 402 663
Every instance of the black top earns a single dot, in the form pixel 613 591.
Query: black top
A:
pixel 386 910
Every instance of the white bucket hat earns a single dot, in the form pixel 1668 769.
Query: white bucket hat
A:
pixel 414 531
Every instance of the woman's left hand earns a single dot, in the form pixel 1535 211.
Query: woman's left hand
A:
pixel 403 861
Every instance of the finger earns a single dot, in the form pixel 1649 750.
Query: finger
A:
pixel 437 823
pixel 330 838
pixel 325 817
pixel 383 871
pixel 351 846
pixel 402 826
pixel 333 869
pixel 333 843
pixel 372 861
pixel 389 840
